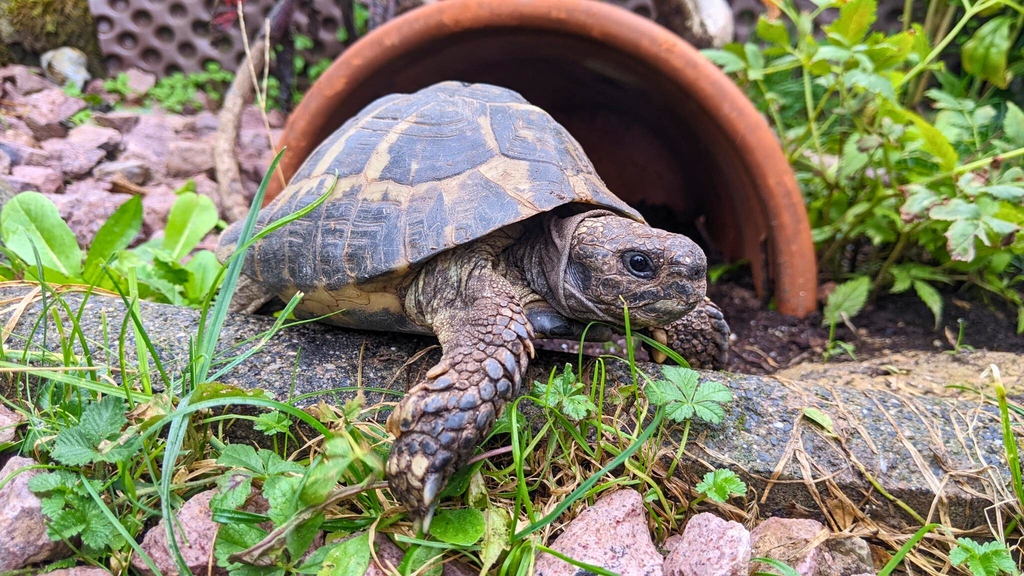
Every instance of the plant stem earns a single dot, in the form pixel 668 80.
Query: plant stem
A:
pixel 893 255
pixel 941 46
pixel 682 448
pixel 1017 152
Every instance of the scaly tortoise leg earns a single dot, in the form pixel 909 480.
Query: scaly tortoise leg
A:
pixel 701 337
pixel 486 347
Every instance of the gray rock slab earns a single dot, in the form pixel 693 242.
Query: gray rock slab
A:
pixel 940 456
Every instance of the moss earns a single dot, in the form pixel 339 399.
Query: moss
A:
pixel 41 25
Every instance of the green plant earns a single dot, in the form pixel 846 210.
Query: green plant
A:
pixel 845 302
pixel 118 85
pixel 990 559
pixel 178 91
pixel 683 396
pixel 720 485
pixel 563 393
pixel 33 233
pixel 959 344
pixel 80 117
pixel 906 185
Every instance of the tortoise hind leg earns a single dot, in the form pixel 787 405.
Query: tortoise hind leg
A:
pixel 485 339
pixel 701 337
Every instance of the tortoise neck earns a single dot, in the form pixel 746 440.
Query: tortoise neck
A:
pixel 542 256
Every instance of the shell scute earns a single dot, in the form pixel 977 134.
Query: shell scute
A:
pixel 468 220
pixel 374 241
pixel 524 133
pixel 426 220
pixel 442 140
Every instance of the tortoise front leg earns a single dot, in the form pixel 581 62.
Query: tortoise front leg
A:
pixel 701 337
pixel 485 339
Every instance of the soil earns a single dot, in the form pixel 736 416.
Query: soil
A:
pixel 766 341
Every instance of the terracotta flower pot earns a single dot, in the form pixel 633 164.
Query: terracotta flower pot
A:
pixel 665 129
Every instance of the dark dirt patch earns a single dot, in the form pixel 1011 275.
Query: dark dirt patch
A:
pixel 766 341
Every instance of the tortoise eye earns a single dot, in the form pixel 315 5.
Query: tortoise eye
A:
pixel 638 264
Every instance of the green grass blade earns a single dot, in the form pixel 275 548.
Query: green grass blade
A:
pixel 895 561
pixel 182 411
pixel 175 437
pixel 118 526
pixel 585 486
pixel 209 333
pixel 664 350
pixel 783 568
pixel 278 324
pixel 1010 443
pixel 577 563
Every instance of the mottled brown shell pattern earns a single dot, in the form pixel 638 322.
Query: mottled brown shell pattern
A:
pixel 417 174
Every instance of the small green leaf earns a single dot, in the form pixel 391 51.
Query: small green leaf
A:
pixel 232 491
pixel 115 235
pixel 919 200
pixel 324 477
pixel 192 217
pixel 821 419
pixel 1013 124
pixel 272 423
pixel 563 393
pixel 984 55
pixel 496 536
pixel 282 493
pixel 204 267
pixel 1004 192
pixel 683 398
pixel 463 527
pixel 31 219
pixel 931 298
pixel 933 141
pixel 720 485
pixel 241 456
pixel 847 299
pixel 97 436
pixel 416 557
pixel 989 559
pixel 477 495
pixel 727 61
pixel 855 19
pixel 772 30
pixel 350 558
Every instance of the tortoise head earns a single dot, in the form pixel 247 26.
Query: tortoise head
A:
pixel 613 260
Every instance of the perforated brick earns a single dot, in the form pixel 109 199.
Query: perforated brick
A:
pixel 167 36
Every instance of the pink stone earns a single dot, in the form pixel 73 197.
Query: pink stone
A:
pixel 123 122
pixel 48 112
pixel 786 539
pixel 186 158
pixel 611 534
pixel 36 178
pixel 22 522
pixel 9 421
pixel 710 546
pixel 90 136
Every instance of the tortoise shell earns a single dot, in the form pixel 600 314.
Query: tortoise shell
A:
pixel 417 174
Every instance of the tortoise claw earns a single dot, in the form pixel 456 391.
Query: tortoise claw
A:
pixel 431 488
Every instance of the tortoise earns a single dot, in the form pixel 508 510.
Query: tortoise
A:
pixel 463 211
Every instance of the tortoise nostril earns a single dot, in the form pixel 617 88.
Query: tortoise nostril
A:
pixel 692 262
